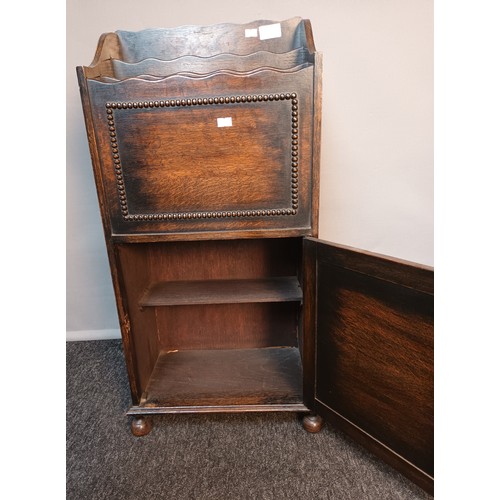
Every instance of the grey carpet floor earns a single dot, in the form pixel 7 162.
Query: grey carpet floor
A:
pixel 208 456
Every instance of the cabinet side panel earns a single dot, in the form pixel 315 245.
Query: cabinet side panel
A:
pixel 120 303
pixel 316 145
pixel 133 266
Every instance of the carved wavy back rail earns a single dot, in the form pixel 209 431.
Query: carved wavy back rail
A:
pixel 205 41
pixel 120 70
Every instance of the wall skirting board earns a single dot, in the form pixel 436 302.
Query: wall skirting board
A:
pixel 72 336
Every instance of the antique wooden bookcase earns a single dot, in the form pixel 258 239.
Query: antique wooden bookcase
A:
pixel 205 145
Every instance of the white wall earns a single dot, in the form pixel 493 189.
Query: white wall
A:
pixel 377 140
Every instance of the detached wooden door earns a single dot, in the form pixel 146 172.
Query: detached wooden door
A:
pixel 368 352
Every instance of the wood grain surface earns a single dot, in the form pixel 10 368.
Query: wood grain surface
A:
pixel 171 168
pixel 180 160
pixel 270 266
pixel 226 377
pixel 120 70
pixel 374 353
pixel 172 293
pixel 171 43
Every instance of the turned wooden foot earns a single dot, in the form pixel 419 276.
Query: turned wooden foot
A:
pixel 312 423
pixel 141 426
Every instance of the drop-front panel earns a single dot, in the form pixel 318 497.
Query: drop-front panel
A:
pixel 207 154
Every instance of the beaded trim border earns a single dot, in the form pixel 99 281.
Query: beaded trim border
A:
pixel 111 108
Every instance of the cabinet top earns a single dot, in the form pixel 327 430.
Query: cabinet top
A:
pixel 199 131
pixel 205 41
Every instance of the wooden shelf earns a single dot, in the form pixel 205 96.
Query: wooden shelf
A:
pixel 172 293
pixel 228 380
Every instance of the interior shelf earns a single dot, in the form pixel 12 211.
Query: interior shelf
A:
pixel 171 293
pixel 243 378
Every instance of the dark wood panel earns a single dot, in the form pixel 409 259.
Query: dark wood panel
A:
pixel 225 259
pixel 308 333
pixel 373 353
pixel 227 326
pixel 168 167
pixel 209 40
pixel 210 72
pixel 374 359
pixel 121 303
pixel 201 65
pixel 316 137
pixel 404 273
pixel 206 41
pixel 213 260
pixel 132 264
pixel 226 377
pixel 180 160
pixel 168 293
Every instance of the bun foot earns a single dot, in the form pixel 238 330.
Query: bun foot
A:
pixel 141 426
pixel 312 423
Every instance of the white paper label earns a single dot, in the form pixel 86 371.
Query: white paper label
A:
pixel 225 122
pixel 270 31
pixel 253 32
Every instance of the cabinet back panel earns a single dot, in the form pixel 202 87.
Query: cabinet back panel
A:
pixel 232 259
pixel 202 260
pixel 205 41
pixel 227 326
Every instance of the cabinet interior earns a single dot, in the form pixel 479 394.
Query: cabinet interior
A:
pixel 215 323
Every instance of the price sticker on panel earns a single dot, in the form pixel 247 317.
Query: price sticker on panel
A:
pixel 270 31
pixel 225 122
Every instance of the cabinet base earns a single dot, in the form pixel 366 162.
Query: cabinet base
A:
pixel 141 425
pixel 157 410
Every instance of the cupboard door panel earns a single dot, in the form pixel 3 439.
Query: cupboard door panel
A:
pixel 373 354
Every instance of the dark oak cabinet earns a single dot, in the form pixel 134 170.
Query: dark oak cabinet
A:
pixel 205 146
